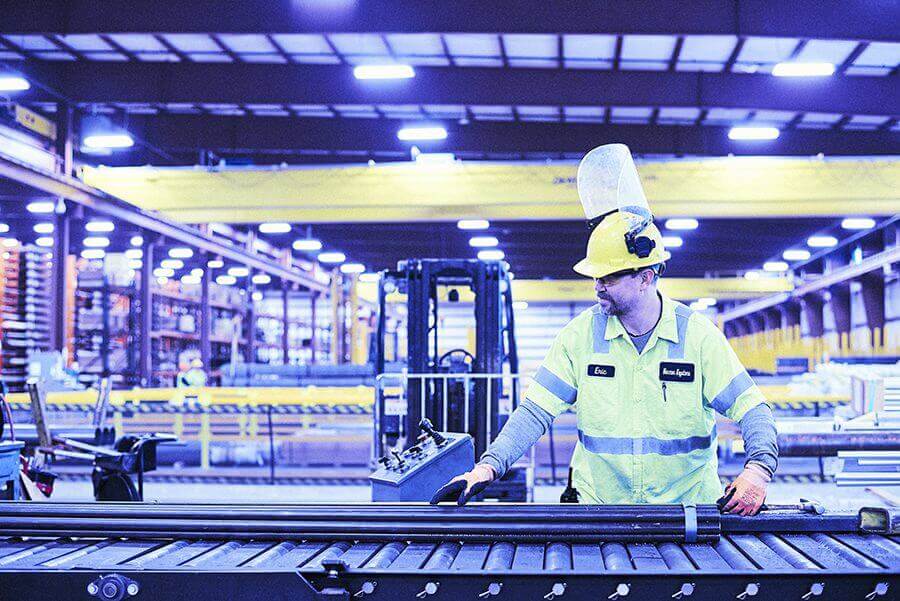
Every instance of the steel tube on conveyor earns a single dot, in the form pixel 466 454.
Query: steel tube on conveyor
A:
pixel 828 444
pixel 520 523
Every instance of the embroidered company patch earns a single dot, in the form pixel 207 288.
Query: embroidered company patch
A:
pixel 601 371
pixel 676 372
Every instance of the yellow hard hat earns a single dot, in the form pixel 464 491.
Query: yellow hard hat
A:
pixel 622 241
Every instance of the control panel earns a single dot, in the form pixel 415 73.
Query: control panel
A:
pixel 416 473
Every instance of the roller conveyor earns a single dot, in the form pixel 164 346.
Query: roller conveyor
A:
pixel 397 551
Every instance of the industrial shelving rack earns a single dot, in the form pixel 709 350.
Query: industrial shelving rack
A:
pixel 24 311
pixel 106 330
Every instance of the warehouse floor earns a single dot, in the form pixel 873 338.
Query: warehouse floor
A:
pixel 779 492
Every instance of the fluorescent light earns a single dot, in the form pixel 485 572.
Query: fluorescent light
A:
pixel 332 257
pixel 137 240
pixel 473 224
pixel 261 278
pixel 857 223
pixel 414 134
pixel 672 241
pixel 493 254
pixel 682 224
pixel 44 241
pixel 99 226
pixel 134 253
pixel 10 242
pixel 197 272
pixel 698 306
pixel 190 280
pixel 40 206
pixel 707 300
pixel 226 280
pixel 135 264
pixel 181 253
pixel 257 295
pixel 753 133
pixel 162 281
pixel 215 264
pixel 43 228
pixel 520 305
pixel 821 241
pixel 307 244
pixel 369 277
pixel 775 266
pixel 751 275
pixel 10 83
pixel 383 72
pixel 163 272
pixel 795 255
pixel 274 228
pixel 108 141
pixel 353 268
pixel 93 253
pixel 96 242
pixel 238 272
pixel 4 227
pixel 171 263
pixel 483 241
pixel 791 69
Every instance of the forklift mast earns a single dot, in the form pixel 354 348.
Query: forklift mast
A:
pixel 495 348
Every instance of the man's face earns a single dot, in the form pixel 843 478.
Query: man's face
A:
pixel 618 293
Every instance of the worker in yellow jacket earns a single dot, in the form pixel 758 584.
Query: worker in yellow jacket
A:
pixel 645 376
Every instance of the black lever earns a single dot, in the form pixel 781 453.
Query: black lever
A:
pixel 570 494
pixel 428 429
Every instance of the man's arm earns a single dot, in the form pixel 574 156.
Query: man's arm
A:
pixel 523 429
pixel 760 438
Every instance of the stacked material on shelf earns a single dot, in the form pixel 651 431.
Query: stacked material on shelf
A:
pixel 24 311
pixel 874 468
pixel 835 379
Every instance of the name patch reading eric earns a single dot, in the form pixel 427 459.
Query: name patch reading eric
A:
pixel 601 371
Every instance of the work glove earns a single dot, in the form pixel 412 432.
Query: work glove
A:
pixel 465 486
pixel 746 494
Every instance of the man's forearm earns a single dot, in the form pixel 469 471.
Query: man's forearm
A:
pixel 523 429
pixel 760 437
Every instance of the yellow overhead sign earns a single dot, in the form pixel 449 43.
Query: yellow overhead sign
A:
pixel 722 187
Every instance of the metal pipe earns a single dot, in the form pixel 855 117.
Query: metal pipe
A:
pixel 828 444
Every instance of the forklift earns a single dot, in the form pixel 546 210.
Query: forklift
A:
pixel 480 400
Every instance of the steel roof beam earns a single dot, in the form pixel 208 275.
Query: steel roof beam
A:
pixel 845 19
pixel 75 191
pixel 241 83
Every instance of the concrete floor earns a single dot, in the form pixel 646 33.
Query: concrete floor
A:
pixel 80 490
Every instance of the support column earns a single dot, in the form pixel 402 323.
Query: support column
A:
pixel 771 319
pixel 285 339
pixel 790 314
pixel 814 310
pixel 756 323
pixel 873 293
pixel 840 309
pixel 145 363
pixel 61 247
pixel 250 349
pixel 314 340
pixel 205 319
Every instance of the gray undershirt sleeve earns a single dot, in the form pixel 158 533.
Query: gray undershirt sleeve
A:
pixel 760 437
pixel 523 429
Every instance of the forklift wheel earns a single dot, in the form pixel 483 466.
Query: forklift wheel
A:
pixel 114 487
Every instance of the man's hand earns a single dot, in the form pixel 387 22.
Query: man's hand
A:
pixel 747 493
pixel 465 486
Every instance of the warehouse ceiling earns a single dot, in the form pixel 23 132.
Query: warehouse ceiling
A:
pixel 272 82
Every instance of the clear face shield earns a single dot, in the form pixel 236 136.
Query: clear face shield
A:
pixel 608 181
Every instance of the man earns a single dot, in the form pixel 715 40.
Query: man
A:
pixel 645 375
